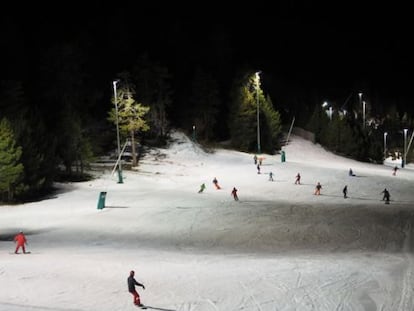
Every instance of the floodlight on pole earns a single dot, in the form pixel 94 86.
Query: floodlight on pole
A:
pixel 120 180
pixel 258 114
pixel 385 145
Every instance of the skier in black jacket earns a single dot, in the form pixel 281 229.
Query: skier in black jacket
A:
pixel 131 288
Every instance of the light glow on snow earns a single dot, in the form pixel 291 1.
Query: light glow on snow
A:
pixel 279 248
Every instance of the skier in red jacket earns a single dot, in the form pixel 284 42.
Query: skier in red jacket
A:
pixel 20 240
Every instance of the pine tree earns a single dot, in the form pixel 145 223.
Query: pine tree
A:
pixel 130 115
pixel 246 97
pixel 11 170
pixel 271 125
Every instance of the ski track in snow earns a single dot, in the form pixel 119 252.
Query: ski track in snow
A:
pixel 278 248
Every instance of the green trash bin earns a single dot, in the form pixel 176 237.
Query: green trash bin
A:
pixel 283 157
pixel 101 201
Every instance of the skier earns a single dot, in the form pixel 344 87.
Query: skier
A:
pixel 202 187
pixel 131 288
pixel 258 169
pixel 20 240
pixel 297 181
pixel 270 176
pixel 215 182
pixel 386 196
pixel 394 171
pixel 345 192
pixel 255 159
pixel 351 173
pixel 234 194
pixel 318 188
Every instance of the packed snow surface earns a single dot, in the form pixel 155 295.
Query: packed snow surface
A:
pixel 280 247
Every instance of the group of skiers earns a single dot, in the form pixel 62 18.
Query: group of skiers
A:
pixel 318 187
pixel 131 280
pixel 216 184
pixel 21 240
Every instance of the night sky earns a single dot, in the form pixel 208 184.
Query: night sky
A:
pixel 332 49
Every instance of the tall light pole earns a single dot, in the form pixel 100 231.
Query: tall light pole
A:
pixel 405 147
pixel 363 113
pixel 363 110
pixel 258 115
pixel 194 133
pixel 385 145
pixel 120 181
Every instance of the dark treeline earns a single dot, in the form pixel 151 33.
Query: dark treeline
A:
pixel 56 90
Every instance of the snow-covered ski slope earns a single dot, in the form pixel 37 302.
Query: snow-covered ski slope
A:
pixel 279 248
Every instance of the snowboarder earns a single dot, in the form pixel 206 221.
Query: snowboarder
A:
pixel 318 188
pixel 20 240
pixel 386 196
pixel 270 176
pixel 131 288
pixel 215 182
pixel 202 187
pixel 234 194
pixel 345 191
pixel 258 169
pixel 297 181
pixel 394 170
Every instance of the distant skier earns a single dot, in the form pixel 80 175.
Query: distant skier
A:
pixel 386 196
pixel 131 288
pixel 255 159
pixel 345 192
pixel 297 181
pixel 351 173
pixel 215 182
pixel 202 187
pixel 258 169
pixel 234 194
pixel 260 160
pixel 318 188
pixel 21 241
pixel 394 170
pixel 270 176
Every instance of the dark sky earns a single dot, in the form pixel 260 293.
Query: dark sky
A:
pixel 331 45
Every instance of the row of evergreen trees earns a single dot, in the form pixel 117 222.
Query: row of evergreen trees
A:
pixel 58 114
pixel 56 132
pixel 370 139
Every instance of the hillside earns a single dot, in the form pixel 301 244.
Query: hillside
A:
pixel 279 248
